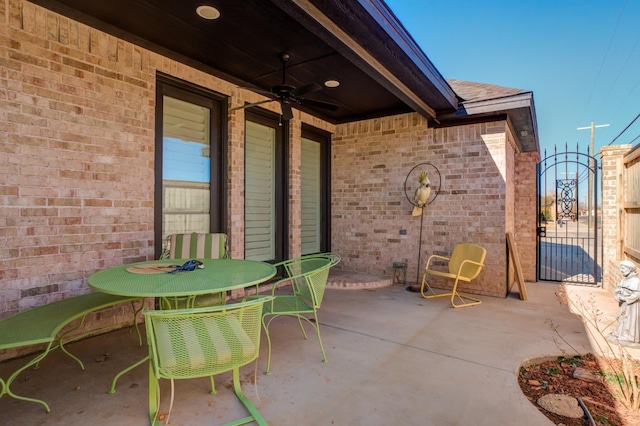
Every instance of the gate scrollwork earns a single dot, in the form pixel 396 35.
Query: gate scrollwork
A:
pixel 567 195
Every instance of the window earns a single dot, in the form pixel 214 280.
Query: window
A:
pixel 315 203
pixel 311 196
pixel 190 159
pixel 265 189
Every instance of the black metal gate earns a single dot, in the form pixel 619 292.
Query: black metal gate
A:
pixel 569 232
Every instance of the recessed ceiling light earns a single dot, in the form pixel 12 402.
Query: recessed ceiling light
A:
pixel 332 83
pixel 208 12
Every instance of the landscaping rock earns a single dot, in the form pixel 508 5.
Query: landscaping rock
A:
pixel 562 405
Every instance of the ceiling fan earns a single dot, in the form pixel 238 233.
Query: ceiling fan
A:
pixel 290 95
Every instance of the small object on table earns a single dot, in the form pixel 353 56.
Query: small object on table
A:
pixel 190 265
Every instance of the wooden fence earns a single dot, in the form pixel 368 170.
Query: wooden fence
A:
pixel 631 243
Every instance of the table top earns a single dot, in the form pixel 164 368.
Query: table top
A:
pixel 218 275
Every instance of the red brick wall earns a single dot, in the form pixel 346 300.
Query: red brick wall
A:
pixel 77 147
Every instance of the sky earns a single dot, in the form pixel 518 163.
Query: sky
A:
pixel 580 58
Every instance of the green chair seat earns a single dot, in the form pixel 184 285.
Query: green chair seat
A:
pixel 291 304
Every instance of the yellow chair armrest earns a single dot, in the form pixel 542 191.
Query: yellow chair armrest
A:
pixel 436 256
pixel 468 261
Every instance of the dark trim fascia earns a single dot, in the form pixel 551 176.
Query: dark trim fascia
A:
pixel 520 105
pixel 342 39
pixel 462 121
pixel 388 21
pixel 503 104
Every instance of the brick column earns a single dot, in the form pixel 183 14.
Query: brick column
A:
pixel 612 213
pixel 525 212
pixel 295 190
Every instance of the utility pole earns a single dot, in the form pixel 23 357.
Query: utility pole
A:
pixel 591 188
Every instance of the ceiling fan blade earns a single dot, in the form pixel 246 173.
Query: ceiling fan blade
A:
pixel 287 113
pixel 307 88
pixel 253 104
pixel 318 104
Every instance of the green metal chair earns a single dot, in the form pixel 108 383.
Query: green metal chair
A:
pixel 201 342
pixel 308 278
pixel 196 246
pixel 465 263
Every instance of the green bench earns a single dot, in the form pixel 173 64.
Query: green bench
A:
pixel 43 325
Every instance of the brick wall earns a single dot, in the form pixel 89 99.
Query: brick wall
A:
pixel 76 152
pixel 77 114
pixel 370 162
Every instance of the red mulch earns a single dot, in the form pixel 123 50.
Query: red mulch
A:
pixel 556 376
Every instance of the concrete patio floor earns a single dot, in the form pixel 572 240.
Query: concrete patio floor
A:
pixel 394 359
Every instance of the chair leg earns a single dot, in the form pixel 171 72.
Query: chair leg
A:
pixel 265 326
pixel 472 300
pixel 135 317
pixel 466 300
pixel 255 414
pixel 213 390
pixel 430 293
pixel 301 326
pixel 114 382
pixel 317 327
pixel 6 386
pixel 154 397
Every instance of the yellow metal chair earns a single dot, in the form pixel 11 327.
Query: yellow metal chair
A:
pixel 465 263
pixel 202 342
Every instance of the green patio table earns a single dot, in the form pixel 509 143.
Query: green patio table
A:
pixel 218 275
pixel 151 279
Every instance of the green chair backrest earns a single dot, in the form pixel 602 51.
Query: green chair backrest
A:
pixel 467 251
pixel 204 246
pixel 201 342
pixel 310 275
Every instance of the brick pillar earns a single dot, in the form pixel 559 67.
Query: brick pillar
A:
pixel 612 213
pixel 295 190
pixel 525 212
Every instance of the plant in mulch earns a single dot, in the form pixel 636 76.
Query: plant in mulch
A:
pixel 622 371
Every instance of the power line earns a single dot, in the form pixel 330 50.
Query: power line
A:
pixel 625 129
pixel 634 139
pixel 620 73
